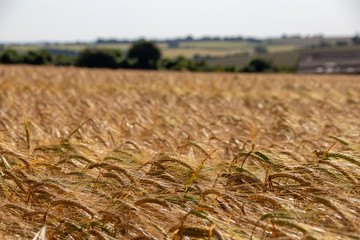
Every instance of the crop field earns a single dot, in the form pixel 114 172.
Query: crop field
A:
pixel 115 154
pixel 280 55
pixel 285 58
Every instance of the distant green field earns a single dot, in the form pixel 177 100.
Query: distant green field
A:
pixel 282 52
pixel 186 49
pixel 221 48
pixel 217 45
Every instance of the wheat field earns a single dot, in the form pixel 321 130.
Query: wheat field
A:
pixel 115 154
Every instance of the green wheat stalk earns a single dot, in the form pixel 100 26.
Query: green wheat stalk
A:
pixel 194 175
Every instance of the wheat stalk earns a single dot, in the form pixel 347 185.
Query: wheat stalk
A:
pixel 153 201
pixel 289 176
pixel 72 203
pixel 153 183
pixel 114 176
pixel 264 199
pixel 15 179
pixel 338 168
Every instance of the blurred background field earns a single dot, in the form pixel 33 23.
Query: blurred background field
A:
pixel 218 53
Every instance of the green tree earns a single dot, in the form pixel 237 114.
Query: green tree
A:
pixel 39 57
pixel 10 56
pixel 144 55
pixel 182 63
pixel 63 60
pixel 229 68
pixel 259 65
pixel 179 63
pixel 99 58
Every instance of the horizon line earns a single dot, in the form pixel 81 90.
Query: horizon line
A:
pixel 93 41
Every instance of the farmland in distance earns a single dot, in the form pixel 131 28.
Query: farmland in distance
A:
pixel 118 154
pixel 189 49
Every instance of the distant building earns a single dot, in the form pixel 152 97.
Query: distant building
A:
pixel 330 61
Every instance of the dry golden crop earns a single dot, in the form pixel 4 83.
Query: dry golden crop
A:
pixel 114 154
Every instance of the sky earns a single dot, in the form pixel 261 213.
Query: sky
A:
pixel 88 20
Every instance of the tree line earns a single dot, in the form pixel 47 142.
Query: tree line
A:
pixel 141 55
pixel 186 39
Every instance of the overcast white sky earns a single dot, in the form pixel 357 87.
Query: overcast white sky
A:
pixel 72 20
